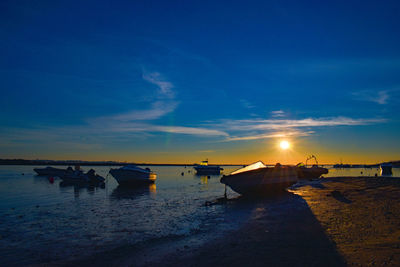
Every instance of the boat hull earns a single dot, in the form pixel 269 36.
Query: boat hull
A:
pixel 261 181
pixel 129 177
pixel 208 170
pixel 310 173
pixel 49 171
pixel 81 178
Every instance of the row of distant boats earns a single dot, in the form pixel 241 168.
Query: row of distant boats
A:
pixel 253 179
pixel 126 175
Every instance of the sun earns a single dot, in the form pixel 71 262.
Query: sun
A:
pixel 284 145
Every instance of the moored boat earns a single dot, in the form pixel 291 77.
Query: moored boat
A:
pixel 50 171
pixel 78 176
pixel 258 179
pixel 386 169
pixel 204 168
pixel 313 172
pixel 133 175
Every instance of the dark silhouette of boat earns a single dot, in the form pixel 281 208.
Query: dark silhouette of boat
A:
pixel 312 172
pixel 133 175
pixel 258 179
pixel 203 168
pixel 78 176
pixel 386 169
pixel 50 171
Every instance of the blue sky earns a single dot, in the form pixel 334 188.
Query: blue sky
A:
pixel 178 81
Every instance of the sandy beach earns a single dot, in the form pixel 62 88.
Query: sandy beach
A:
pixel 360 215
pixel 326 222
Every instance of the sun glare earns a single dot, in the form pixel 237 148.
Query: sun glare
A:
pixel 284 145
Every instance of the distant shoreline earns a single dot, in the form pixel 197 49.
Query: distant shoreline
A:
pixel 19 162
pixel 25 162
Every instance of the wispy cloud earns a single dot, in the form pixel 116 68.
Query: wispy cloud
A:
pixel 158 109
pixel 245 103
pixel 140 127
pixel 165 87
pixel 380 97
pixel 275 124
pixel 275 128
pixel 141 123
pixel 191 130
pixel 270 135
pixel 277 113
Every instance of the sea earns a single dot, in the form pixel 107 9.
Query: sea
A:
pixel 43 220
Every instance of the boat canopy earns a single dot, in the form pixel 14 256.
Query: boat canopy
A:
pixel 254 166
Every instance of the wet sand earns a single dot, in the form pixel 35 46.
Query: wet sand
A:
pixel 327 222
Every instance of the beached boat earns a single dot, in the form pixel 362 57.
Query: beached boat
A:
pixel 257 178
pixel 303 172
pixel 386 169
pixel 78 176
pixel 50 171
pixel 133 175
pixel 204 168
pixel 313 172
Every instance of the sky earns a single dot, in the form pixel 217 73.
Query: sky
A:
pixel 182 81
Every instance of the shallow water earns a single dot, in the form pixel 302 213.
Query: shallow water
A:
pixel 44 222
pixel 48 222
pixel 359 172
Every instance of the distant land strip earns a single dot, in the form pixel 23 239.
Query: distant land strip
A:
pixel 92 163
pixel 116 163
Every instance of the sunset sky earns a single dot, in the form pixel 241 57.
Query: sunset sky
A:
pixel 181 81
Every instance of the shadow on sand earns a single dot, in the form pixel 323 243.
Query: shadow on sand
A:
pixel 281 230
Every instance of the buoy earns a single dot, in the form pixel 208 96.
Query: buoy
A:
pixel 51 180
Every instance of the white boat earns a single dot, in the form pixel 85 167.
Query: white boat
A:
pixel 204 168
pixel 132 175
pixel 258 179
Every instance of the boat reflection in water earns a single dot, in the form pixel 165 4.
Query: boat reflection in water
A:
pixel 131 192
pixel 79 187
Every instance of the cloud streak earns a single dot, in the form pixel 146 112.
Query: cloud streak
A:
pixel 140 123
pixel 136 127
pixel 381 97
pixel 270 135
pixel 275 124
pixel 276 128
pixel 164 87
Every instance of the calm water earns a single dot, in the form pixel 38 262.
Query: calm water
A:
pixel 45 222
